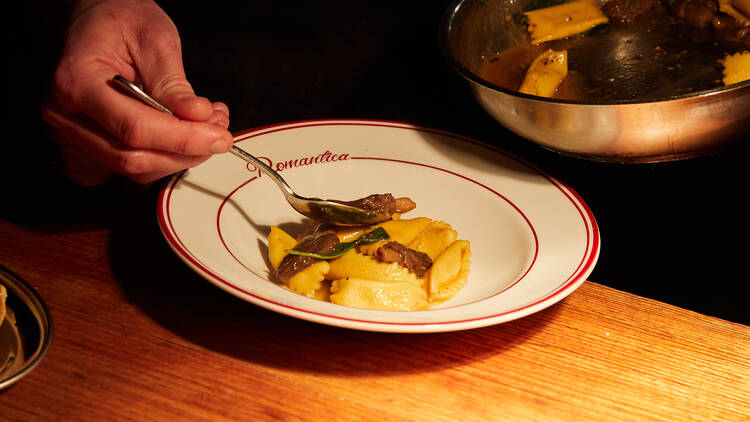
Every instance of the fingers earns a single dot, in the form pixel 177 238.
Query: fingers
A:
pixel 154 53
pixel 97 123
pixel 89 151
pixel 220 115
pixel 142 127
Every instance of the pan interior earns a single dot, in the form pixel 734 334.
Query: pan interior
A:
pixel 653 58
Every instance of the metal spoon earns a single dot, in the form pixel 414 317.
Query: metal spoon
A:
pixel 329 211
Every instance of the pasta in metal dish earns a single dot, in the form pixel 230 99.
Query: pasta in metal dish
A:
pixel 411 264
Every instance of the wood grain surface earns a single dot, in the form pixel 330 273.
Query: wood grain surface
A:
pixel 138 336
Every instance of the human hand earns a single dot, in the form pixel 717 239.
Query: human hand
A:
pixel 102 131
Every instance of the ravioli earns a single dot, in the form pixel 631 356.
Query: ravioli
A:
pixel 358 278
pixel 736 68
pixel 545 74
pixel 371 294
pixel 564 20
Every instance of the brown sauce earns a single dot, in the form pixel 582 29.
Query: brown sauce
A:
pixel 654 57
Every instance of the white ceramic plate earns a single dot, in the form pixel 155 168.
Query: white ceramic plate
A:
pixel 533 239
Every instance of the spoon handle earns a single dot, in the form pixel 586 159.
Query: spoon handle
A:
pixel 280 182
pixel 136 91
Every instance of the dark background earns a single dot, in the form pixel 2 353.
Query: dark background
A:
pixel 675 231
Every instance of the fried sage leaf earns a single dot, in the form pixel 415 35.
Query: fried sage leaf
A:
pixel 374 236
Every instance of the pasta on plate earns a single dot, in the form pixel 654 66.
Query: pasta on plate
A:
pixel 401 264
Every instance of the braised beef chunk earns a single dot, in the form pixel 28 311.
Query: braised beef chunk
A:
pixel 696 13
pixel 622 11
pixel 322 243
pixel 291 265
pixel 383 203
pixel 713 24
pixel 415 261
pixel 316 226
pixel 704 15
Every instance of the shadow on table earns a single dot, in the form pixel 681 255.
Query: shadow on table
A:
pixel 170 293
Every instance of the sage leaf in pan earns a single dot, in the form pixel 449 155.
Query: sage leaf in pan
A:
pixel 369 237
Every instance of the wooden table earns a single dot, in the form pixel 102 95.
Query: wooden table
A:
pixel 138 336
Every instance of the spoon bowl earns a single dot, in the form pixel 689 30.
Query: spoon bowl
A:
pixel 329 211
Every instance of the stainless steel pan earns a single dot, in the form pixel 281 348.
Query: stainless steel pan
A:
pixel 651 121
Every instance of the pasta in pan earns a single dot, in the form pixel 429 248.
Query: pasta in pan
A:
pixel 415 263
